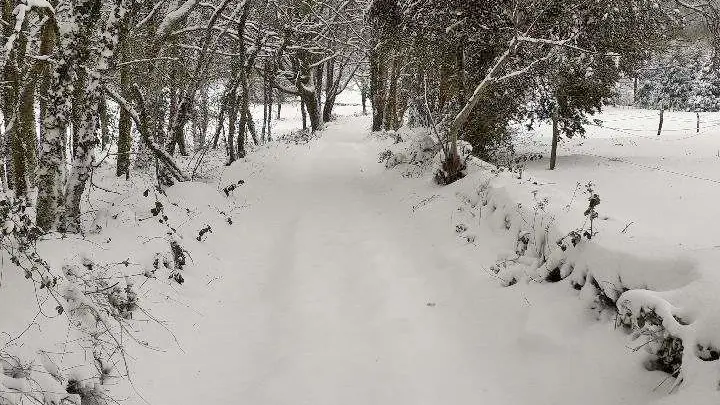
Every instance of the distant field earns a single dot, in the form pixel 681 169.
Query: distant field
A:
pixel 668 185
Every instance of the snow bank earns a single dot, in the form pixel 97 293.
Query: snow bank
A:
pixel 78 309
pixel 665 296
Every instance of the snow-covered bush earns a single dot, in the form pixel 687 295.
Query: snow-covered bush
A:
pixel 655 292
pixel 446 170
pixel 98 302
pixel 416 152
pixel 88 290
pixel 299 137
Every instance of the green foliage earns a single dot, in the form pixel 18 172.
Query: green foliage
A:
pixel 579 51
pixel 574 89
pixel 681 78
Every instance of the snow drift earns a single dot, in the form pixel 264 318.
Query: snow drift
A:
pixel 664 296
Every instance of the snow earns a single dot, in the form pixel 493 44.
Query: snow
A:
pixel 172 17
pixel 327 278
pixel 663 190
pixel 334 291
pixel 665 185
pixel 344 284
pixel 40 4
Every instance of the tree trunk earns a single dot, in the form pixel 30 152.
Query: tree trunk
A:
pixel 317 83
pixel 461 74
pixel 51 171
pixel 391 119
pixel 242 130
pixel 205 117
pixel 82 163
pixel 104 124
pixel 304 114
pixel 179 131
pixel 58 115
pixel 312 111
pixel 180 105
pixel 660 125
pixel 328 108
pixel 307 87
pixel 3 179
pixel 267 106
pixel 555 139
pixel 329 90
pixel 377 89
pixel 77 106
pixel 220 126
pixel 25 144
pixel 10 89
pixel 635 86
pixel 250 122
pixel 10 100
pixel 401 109
pixel 124 144
pixel 232 120
pixel 270 112
pixel 363 96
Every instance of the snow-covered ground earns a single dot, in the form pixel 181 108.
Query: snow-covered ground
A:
pixel 328 279
pixel 342 283
pixel 347 103
pixel 666 185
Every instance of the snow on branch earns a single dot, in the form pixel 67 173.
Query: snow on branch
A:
pixel 464 114
pixel 40 4
pixel 172 18
pixel 150 14
pixel 698 8
pixel 562 42
pixel 492 75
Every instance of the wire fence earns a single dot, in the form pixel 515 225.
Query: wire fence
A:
pixel 646 124
pixel 616 123
pixel 655 168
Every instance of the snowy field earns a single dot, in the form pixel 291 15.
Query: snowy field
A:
pixel 659 196
pixel 666 186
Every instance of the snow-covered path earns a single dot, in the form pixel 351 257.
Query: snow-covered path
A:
pixel 335 292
